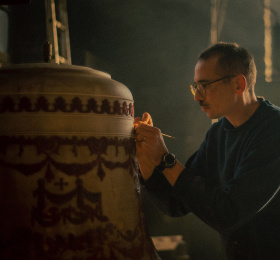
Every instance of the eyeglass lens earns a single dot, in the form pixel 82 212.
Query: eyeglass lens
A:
pixel 201 90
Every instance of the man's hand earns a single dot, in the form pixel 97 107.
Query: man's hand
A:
pixel 150 146
pixel 146 119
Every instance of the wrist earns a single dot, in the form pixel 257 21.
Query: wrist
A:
pixel 172 174
pixel 168 160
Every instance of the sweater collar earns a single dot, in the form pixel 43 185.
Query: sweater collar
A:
pixel 229 127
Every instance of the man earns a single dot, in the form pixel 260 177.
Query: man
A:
pixel 232 181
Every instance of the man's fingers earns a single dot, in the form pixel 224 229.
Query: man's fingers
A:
pixel 136 122
pixel 147 119
pixel 146 116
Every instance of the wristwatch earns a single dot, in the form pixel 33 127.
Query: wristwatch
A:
pixel 168 160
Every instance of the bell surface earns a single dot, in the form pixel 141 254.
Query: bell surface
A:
pixel 69 188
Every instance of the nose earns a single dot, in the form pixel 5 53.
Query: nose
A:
pixel 197 96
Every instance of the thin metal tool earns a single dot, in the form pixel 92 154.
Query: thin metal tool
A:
pixel 168 136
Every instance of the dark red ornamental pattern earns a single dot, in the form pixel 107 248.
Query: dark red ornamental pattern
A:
pixel 64 219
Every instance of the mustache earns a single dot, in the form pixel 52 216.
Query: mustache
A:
pixel 203 104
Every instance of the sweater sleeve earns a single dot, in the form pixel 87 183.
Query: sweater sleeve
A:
pixel 159 191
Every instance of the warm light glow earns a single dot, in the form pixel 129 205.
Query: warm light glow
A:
pixel 214 16
pixel 267 42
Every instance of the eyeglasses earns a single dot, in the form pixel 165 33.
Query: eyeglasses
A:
pixel 201 87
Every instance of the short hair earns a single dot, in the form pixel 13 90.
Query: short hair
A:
pixel 233 60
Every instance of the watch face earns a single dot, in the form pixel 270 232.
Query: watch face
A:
pixel 170 160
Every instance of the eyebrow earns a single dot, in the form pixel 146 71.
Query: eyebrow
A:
pixel 202 81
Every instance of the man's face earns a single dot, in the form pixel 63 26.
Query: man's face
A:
pixel 220 96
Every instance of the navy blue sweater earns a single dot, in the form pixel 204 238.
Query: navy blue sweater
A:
pixel 232 183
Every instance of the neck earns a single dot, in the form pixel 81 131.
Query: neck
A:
pixel 245 108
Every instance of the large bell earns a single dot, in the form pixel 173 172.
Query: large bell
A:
pixel 68 183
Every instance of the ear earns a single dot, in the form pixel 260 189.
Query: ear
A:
pixel 240 84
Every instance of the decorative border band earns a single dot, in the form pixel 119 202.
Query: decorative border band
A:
pixel 8 104
pixel 51 145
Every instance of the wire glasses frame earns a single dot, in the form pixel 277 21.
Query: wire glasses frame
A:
pixel 201 87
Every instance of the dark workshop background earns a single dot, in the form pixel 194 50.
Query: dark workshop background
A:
pixel 151 46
